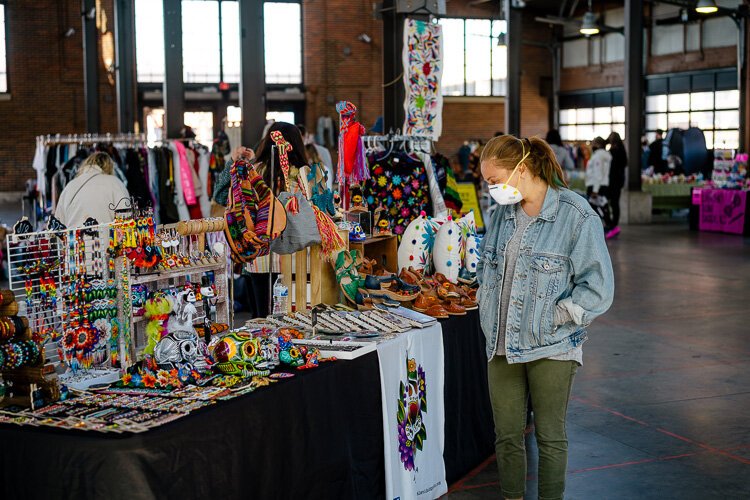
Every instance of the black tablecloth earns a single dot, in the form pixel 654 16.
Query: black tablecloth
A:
pixel 318 435
pixel 469 429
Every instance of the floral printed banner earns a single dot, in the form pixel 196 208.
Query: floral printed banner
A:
pixel 423 67
pixel 412 375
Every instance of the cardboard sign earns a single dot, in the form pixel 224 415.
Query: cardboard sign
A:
pixel 468 194
pixel 723 210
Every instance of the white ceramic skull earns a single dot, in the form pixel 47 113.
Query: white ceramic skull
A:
pixel 181 350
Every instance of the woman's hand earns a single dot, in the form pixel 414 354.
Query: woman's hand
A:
pixel 242 152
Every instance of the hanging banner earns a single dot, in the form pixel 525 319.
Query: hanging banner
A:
pixel 411 382
pixel 423 67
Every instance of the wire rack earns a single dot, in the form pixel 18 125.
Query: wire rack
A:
pixel 42 267
pixel 40 270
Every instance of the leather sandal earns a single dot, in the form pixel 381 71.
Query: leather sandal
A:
pixel 452 288
pixel 403 292
pixel 376 298
pixel 429 306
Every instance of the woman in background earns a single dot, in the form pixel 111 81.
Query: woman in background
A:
pixel 616 179
pixel 95 192
pixel 561 153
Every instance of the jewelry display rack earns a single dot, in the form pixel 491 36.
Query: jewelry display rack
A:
pixel 179 276
pixel 40 267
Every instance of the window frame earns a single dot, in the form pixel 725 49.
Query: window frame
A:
pixel 235 85
pixel 596 99
pixel 691 82
pixel 494 44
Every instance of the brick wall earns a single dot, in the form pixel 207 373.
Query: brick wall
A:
pixel 337 65
pixel 612 74
pixel 45 73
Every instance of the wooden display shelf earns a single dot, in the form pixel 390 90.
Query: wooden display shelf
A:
pixel 384 249
pixel 180 272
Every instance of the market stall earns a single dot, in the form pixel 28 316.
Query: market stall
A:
pixel 122 361
pixel 316 435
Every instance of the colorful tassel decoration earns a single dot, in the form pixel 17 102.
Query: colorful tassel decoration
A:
pixel 331 242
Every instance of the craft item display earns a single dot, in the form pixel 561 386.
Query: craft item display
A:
pixel 301 228
pixel 352 165
pixel 423 68
pixel 399 183
pixel 416 246
pixel 447 250
pixel 254 217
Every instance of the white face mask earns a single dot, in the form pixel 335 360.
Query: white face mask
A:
pixel 505 194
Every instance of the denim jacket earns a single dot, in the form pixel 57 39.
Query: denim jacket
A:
pixel 563 262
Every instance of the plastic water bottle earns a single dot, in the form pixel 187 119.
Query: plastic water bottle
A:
pixel 280 296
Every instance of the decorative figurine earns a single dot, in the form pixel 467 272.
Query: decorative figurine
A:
pixel 356 234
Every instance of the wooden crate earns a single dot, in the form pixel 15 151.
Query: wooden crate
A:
pixel 384 249
pixel 307 270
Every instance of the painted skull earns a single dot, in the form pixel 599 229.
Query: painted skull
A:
pixel 356 233
pixel 239 353
pixel 181 350
pixel 289 353
pixel 269 351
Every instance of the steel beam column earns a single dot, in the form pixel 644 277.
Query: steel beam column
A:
pixel 90 65
pixel 126 78
pixel 174 86
pixel 513 18
pixel 393 66
pixel 252 72
pixel 634 86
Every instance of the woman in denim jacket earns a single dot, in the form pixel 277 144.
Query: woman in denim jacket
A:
pixel 544 275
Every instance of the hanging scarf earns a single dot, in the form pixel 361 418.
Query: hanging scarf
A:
pixel 352 161
pixel 186 175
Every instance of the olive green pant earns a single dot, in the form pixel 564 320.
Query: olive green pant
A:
pixel 548 383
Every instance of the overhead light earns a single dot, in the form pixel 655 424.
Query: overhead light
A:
pixel 589 26
pixel 706 7
pixel 501 41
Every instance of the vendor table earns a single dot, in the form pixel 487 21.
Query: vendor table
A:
pixel 669 196
pixel 317 435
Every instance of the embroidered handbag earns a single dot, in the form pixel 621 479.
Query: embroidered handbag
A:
pixel 301 228
pixel 254 217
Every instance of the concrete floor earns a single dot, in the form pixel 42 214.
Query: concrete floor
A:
pixel 661 407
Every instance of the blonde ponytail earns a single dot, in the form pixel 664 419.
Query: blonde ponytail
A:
pixel 506 151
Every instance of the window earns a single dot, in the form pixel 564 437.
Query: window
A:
pixel 230 41
pixel 707 100
pixel 474 64
pixel 201 57
pixel 586 116
pixel 200 121
pixel 149 40
pixel 211 41
pixel 283 42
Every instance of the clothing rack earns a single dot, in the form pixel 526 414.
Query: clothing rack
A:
pixel 396 138
pixel 130 138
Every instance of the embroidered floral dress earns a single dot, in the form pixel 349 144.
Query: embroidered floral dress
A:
pixel 399 184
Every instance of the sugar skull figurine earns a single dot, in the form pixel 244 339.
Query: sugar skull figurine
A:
pixel 356 233
pixel 240 353
pixel 269 352
pixel 182 350
pixel 290 354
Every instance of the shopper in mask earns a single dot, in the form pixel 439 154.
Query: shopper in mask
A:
pixel 545 274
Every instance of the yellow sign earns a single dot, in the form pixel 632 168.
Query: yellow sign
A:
pixel 468 194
